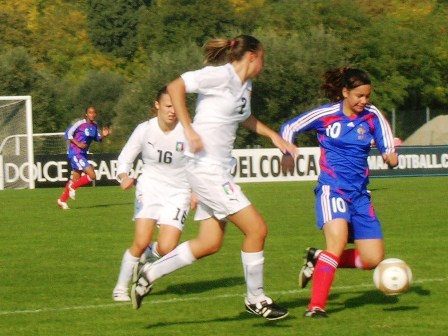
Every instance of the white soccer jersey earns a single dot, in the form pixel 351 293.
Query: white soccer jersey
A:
pixel 222 103
pixel 162 154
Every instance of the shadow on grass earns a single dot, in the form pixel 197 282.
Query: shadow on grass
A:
pixel 96 206
pixel 242 316
pixel 201 286
pixel 376 297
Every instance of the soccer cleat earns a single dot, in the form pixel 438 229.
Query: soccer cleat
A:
pixel 142 286
pixel 120 295
pixel 62 205
pixel 267 309
pixel 309 262
pixel 71 191
pixel 315 313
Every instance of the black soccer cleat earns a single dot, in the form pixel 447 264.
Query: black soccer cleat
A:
pixel 309 262
pixel 141 286
pixel 267 309
pixel 315 313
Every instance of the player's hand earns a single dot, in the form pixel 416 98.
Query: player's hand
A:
pixel 81 145
pixel 287 164
pixel 106 131
pixel 194 140
pixel 127 183
pixel 391 159
pixel 193 201
pixel 285 146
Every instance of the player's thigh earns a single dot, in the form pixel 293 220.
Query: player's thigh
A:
pixel 144 230
pixel 90 171
pixel 209 239
pixel 250 222
pixel 76 175
pixel 371 251
pixel 167 239
pixel 336 235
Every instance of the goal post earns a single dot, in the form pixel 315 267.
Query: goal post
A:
pixel 16 139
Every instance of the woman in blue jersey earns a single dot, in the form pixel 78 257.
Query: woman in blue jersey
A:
pixel 162 196
pixel 80 136
pixel 346 129
pixel 223 102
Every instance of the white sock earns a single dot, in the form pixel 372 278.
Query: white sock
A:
pixel 127 265
pixel 180 257
pixel 253 265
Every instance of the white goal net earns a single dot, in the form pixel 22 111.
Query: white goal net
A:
pixel 16 143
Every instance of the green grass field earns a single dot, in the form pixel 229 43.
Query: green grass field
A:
pixel 58 268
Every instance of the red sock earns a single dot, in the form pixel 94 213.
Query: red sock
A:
pixel 322 279
pixel 85 179
pixel 350 259
pixel 64 196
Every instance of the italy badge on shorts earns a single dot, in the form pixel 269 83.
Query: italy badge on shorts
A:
pixel 228 188
pixel 179 146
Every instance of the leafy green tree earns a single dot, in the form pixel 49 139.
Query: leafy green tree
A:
pixel 112 26
pixel 20 77
pixel 99 88
pixel 169 24
pixel 17 71
pixel 13 24
pixel 289 84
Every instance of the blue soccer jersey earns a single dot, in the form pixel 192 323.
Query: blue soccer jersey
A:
pixel 345 142
pixel 83 132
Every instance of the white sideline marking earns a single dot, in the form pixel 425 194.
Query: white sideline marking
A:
pixel 197 298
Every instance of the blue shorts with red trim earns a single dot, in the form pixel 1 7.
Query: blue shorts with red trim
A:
pixel 353 206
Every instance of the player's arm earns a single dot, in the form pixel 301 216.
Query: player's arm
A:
pixel 79 144
pixel 384 141
pixel 177 92
pixel 255 125
pixel 128 154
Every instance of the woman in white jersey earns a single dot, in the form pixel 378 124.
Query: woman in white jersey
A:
pixel 223 101
pixel 162 191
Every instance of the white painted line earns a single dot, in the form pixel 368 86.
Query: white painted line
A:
pixel 194 298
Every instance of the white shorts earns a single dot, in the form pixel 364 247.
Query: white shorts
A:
pixel 217 193
pixel 165 204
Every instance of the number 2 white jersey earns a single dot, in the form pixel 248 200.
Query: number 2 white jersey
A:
pixel 222 103
pixel 162 154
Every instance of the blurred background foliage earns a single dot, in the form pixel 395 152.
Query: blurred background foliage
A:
pixel 116 54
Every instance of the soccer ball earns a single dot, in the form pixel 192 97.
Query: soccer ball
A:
pixel 392 276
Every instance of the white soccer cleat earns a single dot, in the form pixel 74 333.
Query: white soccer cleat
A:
pixel 121 295
pixel 62 205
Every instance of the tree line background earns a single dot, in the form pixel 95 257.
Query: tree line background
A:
pixel 116 54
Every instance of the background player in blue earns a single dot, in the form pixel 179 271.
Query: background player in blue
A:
pixel 346 129
pixel 81 134
pixel 223 102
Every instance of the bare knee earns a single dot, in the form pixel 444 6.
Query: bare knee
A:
pixel 372 261
pixel 202 248
pixel 138 247
pixel 164 248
